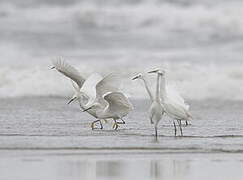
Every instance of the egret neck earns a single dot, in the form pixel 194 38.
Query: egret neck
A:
pixel 162 87
pixel 148 90
pixel 157 97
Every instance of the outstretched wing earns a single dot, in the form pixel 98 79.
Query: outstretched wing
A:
pixel 110 83
pixel 89 86
pixel 68 71
pixel 118 103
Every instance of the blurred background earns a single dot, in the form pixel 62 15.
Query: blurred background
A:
pixel 198 42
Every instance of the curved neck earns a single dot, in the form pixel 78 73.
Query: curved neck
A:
pixel 162 88
pixel 157 96
pixel 148 90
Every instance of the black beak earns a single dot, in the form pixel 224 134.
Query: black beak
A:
pixel 87 109
pixel 152 71
pixel 53 67
pixel 134 78
pixel 69 102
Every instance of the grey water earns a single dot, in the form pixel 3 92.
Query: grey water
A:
pixel 44 138
pixel 49 123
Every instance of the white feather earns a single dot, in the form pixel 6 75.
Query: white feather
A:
pixel 68 70
pixel 89 87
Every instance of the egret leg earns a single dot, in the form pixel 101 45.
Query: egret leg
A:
pixel 101 126
pixel 115 125
pixel 179 122
pixel 174 127
pixel 186 123
pixel 151 120
pixel 156 132
pixel 123 122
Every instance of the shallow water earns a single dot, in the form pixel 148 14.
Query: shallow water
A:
pixel 48 122
pixel 119 165
pixel 44 138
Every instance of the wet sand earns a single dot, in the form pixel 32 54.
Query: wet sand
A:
pixel 43 138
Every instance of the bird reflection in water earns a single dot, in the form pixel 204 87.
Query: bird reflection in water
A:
pixel 155 170
pixel 108 168
pixel 127 169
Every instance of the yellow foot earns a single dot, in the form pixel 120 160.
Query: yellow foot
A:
pixel 104 120
pixel 92 125
pixel 115 126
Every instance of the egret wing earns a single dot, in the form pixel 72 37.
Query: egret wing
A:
pixel 68 71
pixel 176 110
pixel 118 103
pixel 89 86
pixel 111 83
pixel 175 96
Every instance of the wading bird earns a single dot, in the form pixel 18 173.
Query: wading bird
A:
pixel 156 110
pixel 88 85
pixel 114 105
pixel 172 108
pixel 109 84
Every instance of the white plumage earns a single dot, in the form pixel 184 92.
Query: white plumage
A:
pixel 174 107
pixel 96 89
pixel 109 102
pixel 68 71
pixel 156 110
pixel 114 105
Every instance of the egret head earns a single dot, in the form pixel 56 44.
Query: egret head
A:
pixel 77 93
pixel 138 76
pixel 76 96
pixel 158 71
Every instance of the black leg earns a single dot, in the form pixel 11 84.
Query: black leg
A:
pixel 179 122
pixel 151 120
pixel 174 127
pixel 156 132
pixel 123 122
pixel 186 123
pixel 101 126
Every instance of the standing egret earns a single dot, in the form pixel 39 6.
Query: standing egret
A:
pixel 156 110
pixel 78 81
pixel 172 108
pixel 114 105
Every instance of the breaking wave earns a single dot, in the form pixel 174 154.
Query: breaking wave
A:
pixel 198 42
pixel 192 81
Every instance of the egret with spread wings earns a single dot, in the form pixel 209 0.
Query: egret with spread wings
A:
pixel 114 105
pixel 88 86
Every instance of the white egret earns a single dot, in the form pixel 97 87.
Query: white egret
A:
pixel 172 108
pixel 156 110
pixel 110 83
pixel 88 85
pixel 140 76
pixel 114 105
